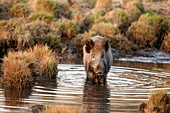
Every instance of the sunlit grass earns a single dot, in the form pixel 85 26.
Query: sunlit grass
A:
pixel 19 67
pixel 16 72
pixel 158 102
pixel 63 109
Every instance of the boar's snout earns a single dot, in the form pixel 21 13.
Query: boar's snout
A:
pixel 99 73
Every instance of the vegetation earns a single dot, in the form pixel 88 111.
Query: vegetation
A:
pixel 103 4
pixel 133 10
pixel 20 10
pixel 158 102
pixel 16 72
pixel 68 28
pixel 26 23
pixel 142 34
pixel 166 43
pixel 105 29
pixel 45 16
pixel 118 18
pixel 18 67
pixel 46 5
pixel 63 109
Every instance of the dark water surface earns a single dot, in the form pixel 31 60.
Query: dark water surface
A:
pixel 127 87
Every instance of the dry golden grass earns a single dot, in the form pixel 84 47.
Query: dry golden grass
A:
pixel 158 103
pixel 45 5
pixel 117 16
pixel 142 34
pixel 63 109
pixel 103 4
pixel 68 28
pixel 45 16
pixel 105 29
pixel 20 10
pixel 166 43
pixel 45 61
pixel 16 72
pixel 134 9
pixel 18 67
pixel 80 39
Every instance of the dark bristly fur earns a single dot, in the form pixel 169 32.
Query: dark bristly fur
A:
pixel 97 58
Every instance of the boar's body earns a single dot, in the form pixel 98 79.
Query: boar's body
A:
pixel 97 58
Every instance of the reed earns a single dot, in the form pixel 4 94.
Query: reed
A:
pixel 19 67
pixel 16 72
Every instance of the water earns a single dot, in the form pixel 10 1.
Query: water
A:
pixel 126 89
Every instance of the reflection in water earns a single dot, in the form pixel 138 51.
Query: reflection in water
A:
pixel 15 97
pixel 143 65
pixel 95 98
pixel 48 83
pixel 126 89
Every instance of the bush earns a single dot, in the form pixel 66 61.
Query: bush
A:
pixel 83 20
pixel 80 39
pixel 68 28
pixel 105 29
pixel 142 34
pixel 122 44
pixel 90 2
pixel 166 43
pixel 103 4
pixel 18 66
pixel 8 32
pixel 45 16
pixel 46 5
pixel 158 103
pixel 16 72
pixel 160 25
pixel 39 33
pixel 134 9
pixel 5 13
pixel 45 62
pixel 20 10
pixel 118 18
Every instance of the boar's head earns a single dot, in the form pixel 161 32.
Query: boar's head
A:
pixel 96 59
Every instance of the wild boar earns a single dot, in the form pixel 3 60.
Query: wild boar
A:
pixel 97 58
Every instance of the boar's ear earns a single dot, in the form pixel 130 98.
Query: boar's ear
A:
pixel 106 45
pixel 89 45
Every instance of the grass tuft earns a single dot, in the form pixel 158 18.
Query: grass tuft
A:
pixel 20 10
pixel 45 16
pixel 19 67
pixel 142 34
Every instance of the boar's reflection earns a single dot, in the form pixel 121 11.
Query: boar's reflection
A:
pixel 95 98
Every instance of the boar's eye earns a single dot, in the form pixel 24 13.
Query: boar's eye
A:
pixel 102 56
pixel 93 55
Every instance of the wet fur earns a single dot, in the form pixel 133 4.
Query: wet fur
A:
pixel 97 45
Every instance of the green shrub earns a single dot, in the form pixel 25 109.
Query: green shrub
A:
pixel 166 43
pixel 105 29
pixel 134 9
pixel 47 5
pixel 40 33
pixel 142 34
pixel 122 44
pixel 158 103
pixel 20 10
pixel 68 28
pixel 160 25
pixel 118 18
pixel 80 39
pixel 45 16
pixel 83 20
